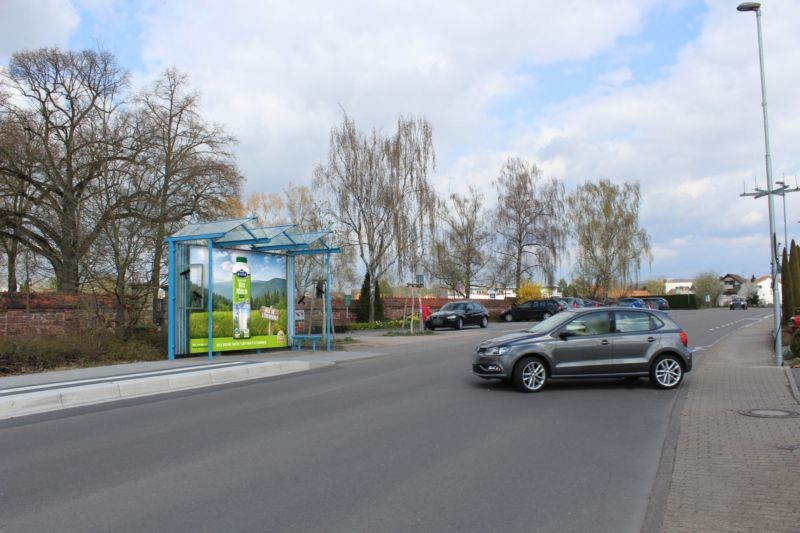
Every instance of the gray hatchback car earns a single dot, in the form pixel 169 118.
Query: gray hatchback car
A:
pixel 589 343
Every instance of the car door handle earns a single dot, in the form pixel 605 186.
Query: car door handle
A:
pixel 604 342
pixel 651 339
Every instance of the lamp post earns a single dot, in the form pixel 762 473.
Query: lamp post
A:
pixel 755 6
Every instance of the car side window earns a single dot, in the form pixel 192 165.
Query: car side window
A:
pixel 589 324
pixel 631 321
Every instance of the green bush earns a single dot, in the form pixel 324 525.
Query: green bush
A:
pixel 26 354
pixel 795 344
pixel 378 324
pixel 682 301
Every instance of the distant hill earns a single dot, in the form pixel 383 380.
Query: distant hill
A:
pixel 257 288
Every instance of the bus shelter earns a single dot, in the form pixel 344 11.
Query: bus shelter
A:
pixel 231 286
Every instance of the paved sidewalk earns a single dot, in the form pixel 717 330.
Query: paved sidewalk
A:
pixel 730 473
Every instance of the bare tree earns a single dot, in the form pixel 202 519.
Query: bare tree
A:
pixel 188 163
pixel 68 102
pixel 605 224
pixel 460 255
pixel 410 156
pixel 120 262
pixel 14 192
pixel 529 219
pixel 376 191
pixel 268 208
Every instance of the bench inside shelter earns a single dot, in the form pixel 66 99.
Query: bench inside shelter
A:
pixel 297 341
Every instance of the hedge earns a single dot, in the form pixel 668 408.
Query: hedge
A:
pixel 682 301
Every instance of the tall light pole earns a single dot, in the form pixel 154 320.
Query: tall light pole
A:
pixel 755 6
pixel 783 190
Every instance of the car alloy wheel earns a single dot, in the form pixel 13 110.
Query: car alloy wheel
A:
pixel 509 317
pixel 530 375
pixel 546 315
pixel 459 324
pixel 666 372
pixel 484 322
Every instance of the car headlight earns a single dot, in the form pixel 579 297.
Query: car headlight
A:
pixel 497 350
pixel 451 317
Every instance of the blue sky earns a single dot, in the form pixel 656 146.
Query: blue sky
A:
pixel 663 92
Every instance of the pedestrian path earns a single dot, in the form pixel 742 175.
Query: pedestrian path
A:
pixel 733 472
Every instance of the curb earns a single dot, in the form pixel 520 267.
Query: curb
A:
pixel 792 384
pixel 65 398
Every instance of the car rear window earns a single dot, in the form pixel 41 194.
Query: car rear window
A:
pixel 631 321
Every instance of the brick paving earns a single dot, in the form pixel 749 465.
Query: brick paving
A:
pixel 729 474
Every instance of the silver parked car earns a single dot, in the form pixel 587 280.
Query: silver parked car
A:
pixel 589 343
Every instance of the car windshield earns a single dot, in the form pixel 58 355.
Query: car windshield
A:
pixel 452 306
pixel 553 322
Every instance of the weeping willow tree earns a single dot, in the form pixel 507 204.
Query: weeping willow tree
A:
pixel 605 225
pixel 376 190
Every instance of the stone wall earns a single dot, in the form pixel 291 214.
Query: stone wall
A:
pixel 53 313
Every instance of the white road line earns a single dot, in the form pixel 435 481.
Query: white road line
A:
pixel 120 376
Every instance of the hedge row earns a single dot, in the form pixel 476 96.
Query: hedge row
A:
pixel 23 354
pixel 682 301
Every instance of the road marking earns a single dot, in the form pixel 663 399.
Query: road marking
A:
pixel 120 376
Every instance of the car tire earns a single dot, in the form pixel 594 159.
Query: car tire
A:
pixel 431 328
pixel 459 324
pixel 546 315
pixel 508 317
pixel 484 322
pixel 666 372
pixel 530 374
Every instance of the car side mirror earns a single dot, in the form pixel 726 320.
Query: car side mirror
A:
pixel 564 335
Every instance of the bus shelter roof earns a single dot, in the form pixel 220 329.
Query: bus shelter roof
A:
pixel 242 233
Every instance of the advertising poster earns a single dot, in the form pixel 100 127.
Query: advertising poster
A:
pixel 248 300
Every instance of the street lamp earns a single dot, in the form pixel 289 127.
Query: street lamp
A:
pixel 755 6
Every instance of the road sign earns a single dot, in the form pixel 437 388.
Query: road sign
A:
pixel 299 315
pixel 270 313
pixel 348 300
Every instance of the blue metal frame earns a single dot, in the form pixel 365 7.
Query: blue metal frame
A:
pixel 298 244
pixel 210 299
pixel 171 301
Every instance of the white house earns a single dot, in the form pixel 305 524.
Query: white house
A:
pixel 764 284
pixel 678 286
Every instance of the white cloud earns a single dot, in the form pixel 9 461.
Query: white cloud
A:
pixel 27 24
pixel 277 74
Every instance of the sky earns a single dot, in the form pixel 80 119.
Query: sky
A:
pixel 664 93
pixel 263 267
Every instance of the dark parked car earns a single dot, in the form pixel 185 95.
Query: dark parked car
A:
pixel 572 303
pixel 656 303
pixel 532 310
pixel 589 343
pixel 457 315
pixel 738 303
pixel 631 302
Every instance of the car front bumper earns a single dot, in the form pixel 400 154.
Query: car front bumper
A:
pixel 441 322
pixel 489 366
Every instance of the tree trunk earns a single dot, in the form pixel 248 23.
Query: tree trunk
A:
pixel 67 273
pixel 11 254
pixel 155 277
pixel 372 299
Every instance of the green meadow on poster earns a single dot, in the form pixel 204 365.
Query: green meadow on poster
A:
pixel 248 301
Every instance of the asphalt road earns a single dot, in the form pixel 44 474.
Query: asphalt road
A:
pixel 407 442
